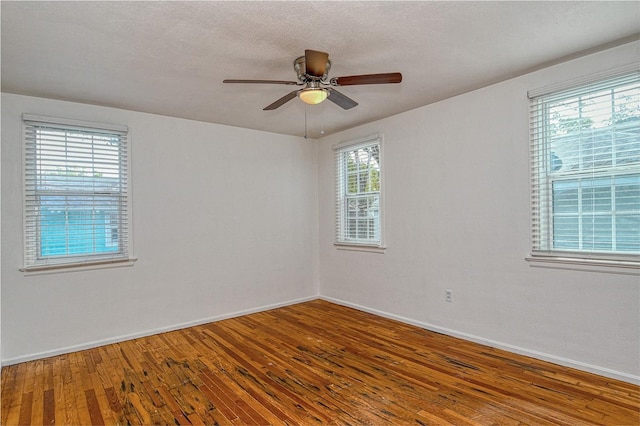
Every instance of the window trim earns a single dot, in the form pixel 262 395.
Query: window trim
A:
pixel 619 267
pixel 567 259
pixel 77 267
pixel 80 262
pixel 364 246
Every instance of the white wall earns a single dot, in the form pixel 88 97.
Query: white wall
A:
pixel 457 217
pixel 224 221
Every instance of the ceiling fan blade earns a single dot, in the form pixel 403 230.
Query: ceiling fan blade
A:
pixel 316 62
pixel 260 81
pixel 340 99
pixel 283 100
pixel 352 80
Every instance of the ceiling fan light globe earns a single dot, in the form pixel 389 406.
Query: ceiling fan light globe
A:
pixel 313 96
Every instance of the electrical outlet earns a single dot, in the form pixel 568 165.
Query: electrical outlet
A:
pixel 448 296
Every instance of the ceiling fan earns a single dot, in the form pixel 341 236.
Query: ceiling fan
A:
pixel 312 70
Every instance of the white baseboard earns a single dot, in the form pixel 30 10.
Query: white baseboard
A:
pixel 117 339
pixel 566 362
pixel 602 371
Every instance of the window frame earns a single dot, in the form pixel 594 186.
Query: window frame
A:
pixel 341 241
pixel 35 262
pixel 542 180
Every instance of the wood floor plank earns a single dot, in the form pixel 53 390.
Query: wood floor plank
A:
pixel 12 379
pixel 93 407
pixel 25 408
pixel 60 414
pixel 102 400
pixel 312 363
pixel 8 382
pixel 48 408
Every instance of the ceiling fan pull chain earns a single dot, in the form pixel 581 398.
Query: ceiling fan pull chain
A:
pixel 305 121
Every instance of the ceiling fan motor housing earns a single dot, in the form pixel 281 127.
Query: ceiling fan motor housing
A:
pixel 299 65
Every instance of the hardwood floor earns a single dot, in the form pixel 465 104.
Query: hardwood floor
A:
pixel 308 364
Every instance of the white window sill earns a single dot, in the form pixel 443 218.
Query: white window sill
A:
pixel 360 247
pixel 626 267
pixel 77 267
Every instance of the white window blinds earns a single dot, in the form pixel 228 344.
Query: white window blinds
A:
pixel 75 192
pixel 585 169
pixel 358 192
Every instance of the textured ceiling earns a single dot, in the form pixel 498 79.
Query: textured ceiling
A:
pixel 170 57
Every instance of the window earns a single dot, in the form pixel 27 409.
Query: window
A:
pixel 358 192
pixel 585 170
pixel 75 193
